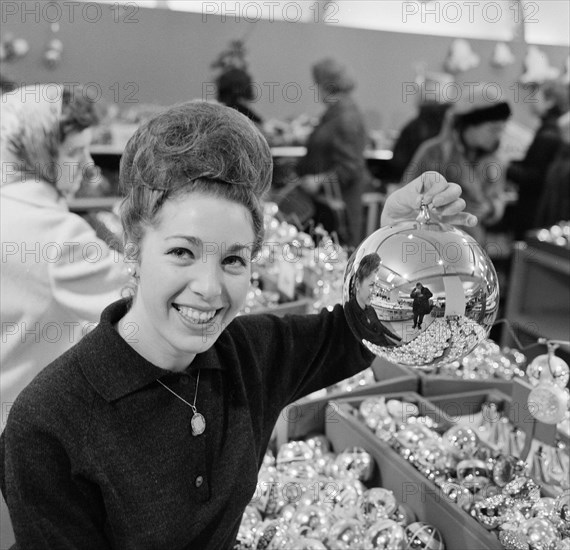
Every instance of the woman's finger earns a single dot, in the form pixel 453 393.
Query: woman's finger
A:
pixel 450 208
pixel 447 196
pixel 463 218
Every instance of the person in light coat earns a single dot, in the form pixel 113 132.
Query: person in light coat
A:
pixel 57 276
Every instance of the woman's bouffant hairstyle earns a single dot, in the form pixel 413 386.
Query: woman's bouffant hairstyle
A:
pixel 193 147
pixel 78 111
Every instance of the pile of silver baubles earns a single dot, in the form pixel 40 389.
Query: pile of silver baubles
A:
pixel 386 268
pixel 308 498
pixel 488 360
pixel 494 488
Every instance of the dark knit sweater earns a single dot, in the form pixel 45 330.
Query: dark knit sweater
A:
pixel 97 455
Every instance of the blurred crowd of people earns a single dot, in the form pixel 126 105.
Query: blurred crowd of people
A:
pixel 459 139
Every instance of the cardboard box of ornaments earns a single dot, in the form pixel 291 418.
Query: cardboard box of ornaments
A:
pixel 459 530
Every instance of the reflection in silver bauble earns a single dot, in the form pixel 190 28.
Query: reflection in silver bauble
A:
pixel 385 269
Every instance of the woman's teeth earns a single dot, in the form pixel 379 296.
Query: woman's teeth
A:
pixel 195 315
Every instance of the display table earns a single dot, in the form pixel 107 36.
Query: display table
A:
pixel 539 296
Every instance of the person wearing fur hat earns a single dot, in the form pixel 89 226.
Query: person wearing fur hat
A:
pixel 335 149
pixel 466 151
pixel 529 174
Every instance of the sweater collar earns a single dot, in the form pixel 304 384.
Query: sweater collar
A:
pixel 115 369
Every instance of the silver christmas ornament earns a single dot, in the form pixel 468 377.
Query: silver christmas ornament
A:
pixel 420 293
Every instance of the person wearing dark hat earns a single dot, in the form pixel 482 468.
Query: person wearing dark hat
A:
pixel 529 174
pixel 335 149
pixel 235 90
pixel 466 152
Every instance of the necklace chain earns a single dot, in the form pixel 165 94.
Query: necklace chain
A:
pixel 192 406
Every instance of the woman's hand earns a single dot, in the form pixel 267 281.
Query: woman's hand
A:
pixel 434 190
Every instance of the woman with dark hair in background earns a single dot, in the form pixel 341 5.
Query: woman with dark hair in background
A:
pixel 335 149
pixel 235 90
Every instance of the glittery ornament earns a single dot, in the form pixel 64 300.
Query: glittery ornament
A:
pixel 522 488
pixel 473 474
pixel 345 534
pixel 543 508
pixel 548 403
pixel 492 511
pixel 372 410
pixel 431 454
pixel 423 536
pixel 319 444
pixel 301 470
pixel 375 504
pixel 461 442
pixel 411 436
pixel 540 533
pixel 287 512
pixel 548 367
pixel 513 540
pixel 345 494
pixel 403 515
pixel 357 461
pixel 385 535
pixel 506 468
pixel 447 262
pixel 311 521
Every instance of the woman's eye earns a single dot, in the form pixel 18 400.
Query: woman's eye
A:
pixel 182 253
pixel 235 261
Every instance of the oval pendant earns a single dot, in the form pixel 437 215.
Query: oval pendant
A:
pixel 198 424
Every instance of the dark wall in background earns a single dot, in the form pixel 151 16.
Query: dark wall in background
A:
pixel 161 56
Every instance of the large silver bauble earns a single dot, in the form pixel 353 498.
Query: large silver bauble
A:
pixel 386 268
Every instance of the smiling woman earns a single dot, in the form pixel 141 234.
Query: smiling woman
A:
pixel 149 433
